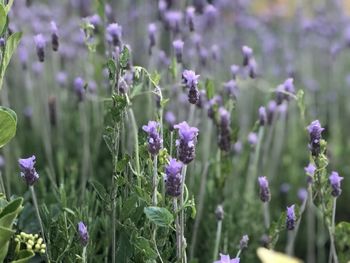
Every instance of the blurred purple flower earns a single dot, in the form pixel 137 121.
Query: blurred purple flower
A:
pixel 224 130
pixel 154 140
pixel 315 131
pixel 170 119
pixel 262 116
pixel 302 194
pixel 178 46
pixel 290 221
pixel 54 36
pixel 79 89
pixel 190 14
pixel 187 142
pixel 226 259
pixel 173 178
pixel 28 172
pixel 264 193
pixel 252 138
pixel 40 44
pixel 83 234
pixel 335 180
pixel 114 34
pixel 243 243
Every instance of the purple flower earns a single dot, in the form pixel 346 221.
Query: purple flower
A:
pixel 190 12
pixel 210 15
pixel 114 34
pixel 61 78
pixel 79 85
pixel 178 46
pixel 252 68
pixel 264 193
pixel 154 140
pixel 54 36
pixel 28 172
pixel 83 234
pixel 152 29
pixel 2 42
pixel 190 79
pixel 234 70
pixel 290 222
pixel 315 131
pixel 170 119
pixel 252 138
pixel 310 169
pixel 302 194
pixel 247 55
pixel 237 147
pixel 40 44
pixel 173 20
pixel 335 180
pixel 243 243
pixel 224 130
pixel 231 88
pixel 186 143
pixel 262 116
pixel 283 89
pixel 173 178
pixel 271 109
pixel 2 161
pixel 226 259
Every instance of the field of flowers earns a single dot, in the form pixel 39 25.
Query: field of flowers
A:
pixel 174 131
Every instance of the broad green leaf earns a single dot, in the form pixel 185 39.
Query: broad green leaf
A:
pixel 11 45
pixel 23 256
pixel 8 6
pixel 8 125
pixel 159 215
pixel 3 18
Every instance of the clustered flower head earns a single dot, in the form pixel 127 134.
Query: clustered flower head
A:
pixel 187 142
pixel 190 79
pixel 83 234
pixel 40 44
pixel 262 116
pixel 315 131
pixel 290 222
pixel 154 140
pixel 32 242
pixel 243 243
pixel 282 90
pixel 264 193
pixel 173 178
pixel 335 180
pixel 28 172
pixel 224 130
pixel 226 259
pixel 249 61
pixel 79 85
pixel 114 34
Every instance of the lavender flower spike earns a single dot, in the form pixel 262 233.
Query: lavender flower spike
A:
pixel 114 34
pixel 265 194
pixel 178 46
pixel 247 55
pixel 186 143
pixel 154 140
pixel 335 180
pixel 226 259
pixel 83 234
pixel 262 116
pixel 310 171
pixel 243 243
pixel 54 36
pixel 190 79
pixel 290 222
pixel 28 172
pixel 173 178
pixel 40 44
pixel 315 131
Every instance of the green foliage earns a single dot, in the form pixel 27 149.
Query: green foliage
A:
pixel 9 211
pixel 342 237
pixel 8 124
pixel 3 18
pixel 160 216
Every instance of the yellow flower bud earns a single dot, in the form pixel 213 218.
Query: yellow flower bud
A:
pixel 30 242
pixel 29 247
pixel 40 241
pixel 42 251
pixel 43 246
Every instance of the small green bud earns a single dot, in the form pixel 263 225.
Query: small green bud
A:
pixel 43 246
pixel 42 251
pixel 29 247
pixel 40 241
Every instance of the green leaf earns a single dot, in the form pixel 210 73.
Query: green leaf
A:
pixel 3 18
pixel 209 88
pixel 112 69
pixel 342 237
pixel 8 123
pixel 100 190
pixel 144 246
pixel 155 77
pixel 23 256
pixel 173 68
pixel 8 6
pixel 124 57
pixel 160 216
pixel 11 45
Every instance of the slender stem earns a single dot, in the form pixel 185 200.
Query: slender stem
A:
pixel 171 142
pixel 182 215
pixel 239 253
pixel 134 128
pixel 155 181
pixel 310 228
pixel 40 221
pixel 178 230
pixel 266 215
pixel 2 186
pixel 333 252
pixel 217 240
pixel 84 255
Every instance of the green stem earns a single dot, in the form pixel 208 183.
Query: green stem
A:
pixel 310 228
pixel 331 229
pixel 40 221
pixel 84 254
pixel 178 230
pixel 182 216
pixel 155 181
pixel 2 186
pixel 217 239
pixel 266 215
